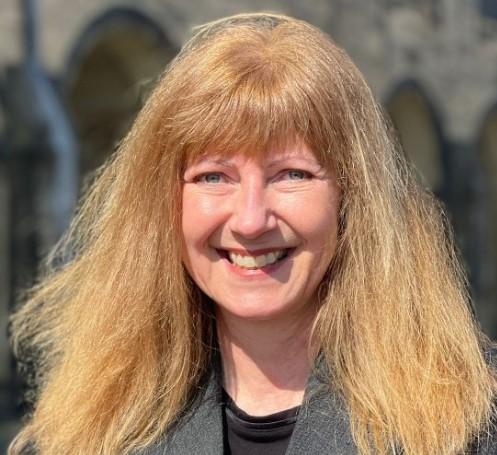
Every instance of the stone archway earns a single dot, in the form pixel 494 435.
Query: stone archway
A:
pixel 419 134
pixel 111 70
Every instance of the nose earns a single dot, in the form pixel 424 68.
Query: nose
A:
pixel 252 214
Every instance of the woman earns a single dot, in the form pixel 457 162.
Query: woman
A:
pixel 257 256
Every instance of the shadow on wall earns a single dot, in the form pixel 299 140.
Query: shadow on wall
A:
pixel 486 154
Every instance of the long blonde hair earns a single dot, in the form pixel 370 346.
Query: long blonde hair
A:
pixel 123 336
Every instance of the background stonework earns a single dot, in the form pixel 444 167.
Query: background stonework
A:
pixel 431 63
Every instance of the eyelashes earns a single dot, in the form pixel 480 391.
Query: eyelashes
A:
pixel 209 178
pixel 297 174
pixel 214 178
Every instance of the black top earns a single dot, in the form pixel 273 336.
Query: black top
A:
pixel 248 435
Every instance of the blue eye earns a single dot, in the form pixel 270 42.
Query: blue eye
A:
pixel 296 174
pixel 211 177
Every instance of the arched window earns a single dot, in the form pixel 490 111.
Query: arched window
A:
pixel 419 134
pixel 114 64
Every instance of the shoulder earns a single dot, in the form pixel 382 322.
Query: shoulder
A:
pixel 486 443
pixel 199 429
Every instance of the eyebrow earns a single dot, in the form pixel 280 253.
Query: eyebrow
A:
pixel 287 157
pixel 221 161
pixel 229 163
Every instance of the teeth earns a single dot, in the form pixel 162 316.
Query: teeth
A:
pixel 261 262
pixel 255 262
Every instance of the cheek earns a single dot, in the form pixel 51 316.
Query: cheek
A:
pixel 317 216
pixel 201 217
pixel 326 224
pixel 196 217
pixel 190 220
pixel 319 228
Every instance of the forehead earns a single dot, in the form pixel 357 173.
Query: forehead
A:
pixel 273 154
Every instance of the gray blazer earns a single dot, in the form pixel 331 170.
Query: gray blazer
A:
pixel 322 425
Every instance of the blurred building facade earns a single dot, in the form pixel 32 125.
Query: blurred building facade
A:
pixel 431 63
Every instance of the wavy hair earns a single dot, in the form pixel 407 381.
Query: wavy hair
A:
pixel 122 335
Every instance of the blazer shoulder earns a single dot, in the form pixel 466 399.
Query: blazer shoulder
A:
pixel 486 443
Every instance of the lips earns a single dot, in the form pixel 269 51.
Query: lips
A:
pixel 255 260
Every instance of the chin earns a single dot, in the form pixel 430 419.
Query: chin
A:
pixel 255 311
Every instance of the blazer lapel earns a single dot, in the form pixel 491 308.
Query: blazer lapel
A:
pixel 200 431
pixel 322 425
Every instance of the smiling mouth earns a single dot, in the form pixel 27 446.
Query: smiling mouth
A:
pixel 255 262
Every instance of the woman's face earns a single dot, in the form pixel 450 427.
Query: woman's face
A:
pixel 259 234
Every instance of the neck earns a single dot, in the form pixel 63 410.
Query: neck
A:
pixel 265 363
